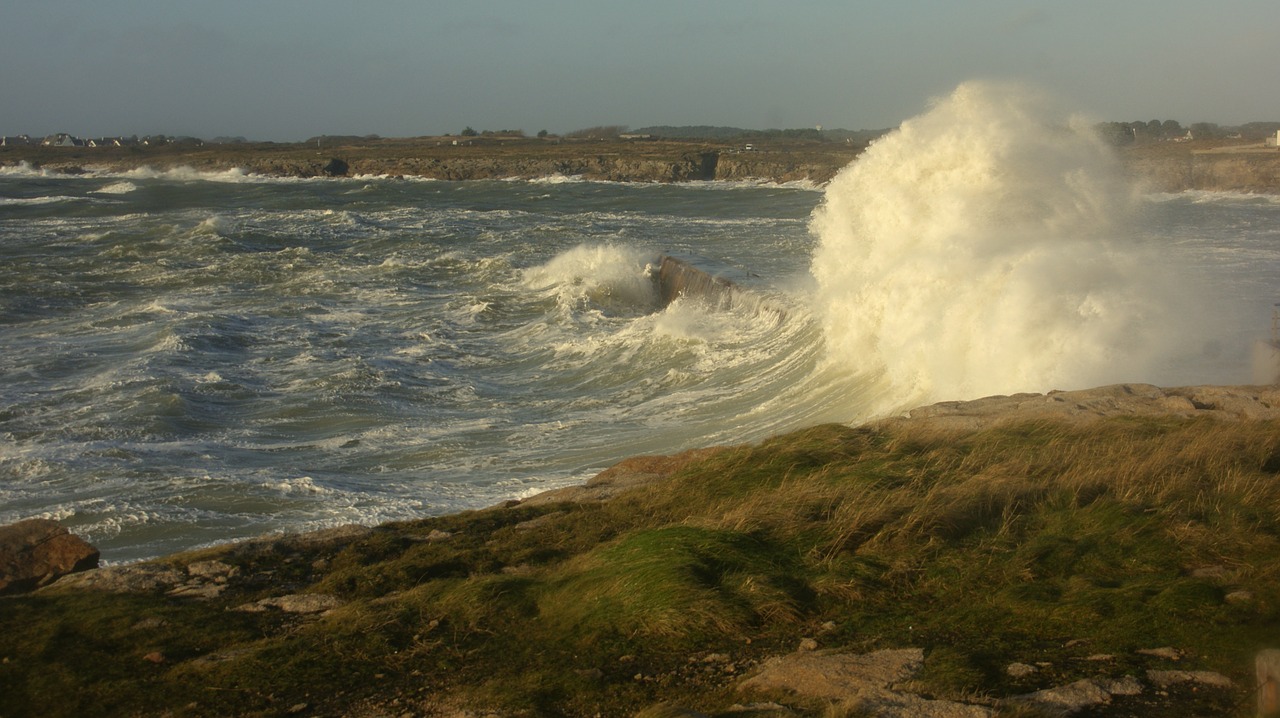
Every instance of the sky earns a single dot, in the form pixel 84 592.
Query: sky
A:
pixel 286 70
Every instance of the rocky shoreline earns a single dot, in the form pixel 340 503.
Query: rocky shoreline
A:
pixel 439 159
pixel 1161 167
pixel 285 583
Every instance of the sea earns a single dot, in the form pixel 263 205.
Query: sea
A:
pixel 191 358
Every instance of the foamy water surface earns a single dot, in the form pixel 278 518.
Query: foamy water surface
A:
pixel 187 358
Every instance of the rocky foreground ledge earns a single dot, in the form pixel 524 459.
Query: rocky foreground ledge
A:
pixel 1114 551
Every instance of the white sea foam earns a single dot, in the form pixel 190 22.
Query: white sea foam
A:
pixel 986 247
pixel 30 201
pixel 805 185
pixel 559 179
pixel 118 188
pixel 187 174
pixel 603 274
pixel 304 485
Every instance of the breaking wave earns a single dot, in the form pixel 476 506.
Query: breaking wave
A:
pixel 987 247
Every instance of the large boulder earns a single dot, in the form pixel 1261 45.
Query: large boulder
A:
pixel 36 552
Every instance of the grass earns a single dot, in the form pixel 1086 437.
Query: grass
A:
pixel 1041 543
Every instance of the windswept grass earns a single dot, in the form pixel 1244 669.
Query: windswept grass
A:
pixel 1037 542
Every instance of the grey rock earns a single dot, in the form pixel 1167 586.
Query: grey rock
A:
pixel 1127 686
pixel 300 603
pixel 1220 402
pixel 201 591
pixel 212 570
pixel 869 682
pixel 1071 698
pixel 1164 679
pixel 1168 653
pixel 133 578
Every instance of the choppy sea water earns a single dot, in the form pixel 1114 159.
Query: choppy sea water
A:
pixel 187 359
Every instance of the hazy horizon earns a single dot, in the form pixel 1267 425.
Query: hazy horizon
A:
pixel 294 69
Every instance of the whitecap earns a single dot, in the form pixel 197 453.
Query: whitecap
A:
pixel 117 188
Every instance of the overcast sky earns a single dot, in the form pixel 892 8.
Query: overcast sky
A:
pixel 291 69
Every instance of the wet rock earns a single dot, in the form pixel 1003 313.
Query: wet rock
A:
pixel 37 552
pixel 336 168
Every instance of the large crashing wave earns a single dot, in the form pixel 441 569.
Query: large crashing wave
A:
pixel 986 247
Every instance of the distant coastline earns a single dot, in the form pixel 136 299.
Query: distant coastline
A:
pixel 1211 165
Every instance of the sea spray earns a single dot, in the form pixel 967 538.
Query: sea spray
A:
pixel 606 276
pixel 985 247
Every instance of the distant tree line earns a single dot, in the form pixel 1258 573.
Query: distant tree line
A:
pixel 602 132
pixel 1125 133
pixel 470 132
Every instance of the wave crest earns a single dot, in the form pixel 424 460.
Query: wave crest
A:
pixel 985 247
pixel 603 275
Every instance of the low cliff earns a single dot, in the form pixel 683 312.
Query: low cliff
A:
pixel 1173 168
pixel 1162 167
pixel 604 161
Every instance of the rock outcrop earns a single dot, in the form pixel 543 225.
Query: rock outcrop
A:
pixel 872 683
pixel 1219 170
pixel 37 552
pixel 1217 402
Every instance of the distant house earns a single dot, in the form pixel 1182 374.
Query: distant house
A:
pixel 62 139
pixel 15 141
pixel 1274 141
